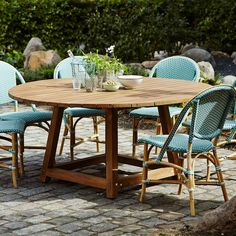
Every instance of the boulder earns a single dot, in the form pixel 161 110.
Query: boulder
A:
pixel 233 56
pixel 40 58
pixel 207 70
pixel 199 54
pixel 35 44
pixel 149 64
pixel 186 47
pixel 219 54
pixel 229 79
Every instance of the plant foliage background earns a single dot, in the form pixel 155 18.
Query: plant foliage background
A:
pixel 136 27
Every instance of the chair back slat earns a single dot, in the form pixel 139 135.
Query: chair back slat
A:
pixel 209 111
pixel 176 67
pixel 8 78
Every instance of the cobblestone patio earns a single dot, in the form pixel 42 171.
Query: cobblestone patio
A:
pixel 62 208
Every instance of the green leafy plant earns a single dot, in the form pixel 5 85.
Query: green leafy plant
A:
pixel 215 81
pixel 13 57
pixel 104 62
pixel 45 72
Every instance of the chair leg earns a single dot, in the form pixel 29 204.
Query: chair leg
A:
pixel 145 173
pixel 181 163
pixel 72 137
pixel 65 133
pixel 14 159
pixel 220 175
pixel 21 152
pixel 158 131
pixel 95 128
pixel 191 181
pixel 135 135
pixel 208 176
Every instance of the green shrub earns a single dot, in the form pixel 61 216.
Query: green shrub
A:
pixel 136 27
pixel 14 58
pixel 43 73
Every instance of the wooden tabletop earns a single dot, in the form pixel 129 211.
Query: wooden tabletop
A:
pixel 152 92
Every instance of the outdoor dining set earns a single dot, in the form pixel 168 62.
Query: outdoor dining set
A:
pixel 172 97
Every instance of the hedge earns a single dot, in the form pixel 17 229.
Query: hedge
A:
pixel 136 27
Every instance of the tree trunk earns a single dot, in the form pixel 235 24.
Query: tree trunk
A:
pixel 221 220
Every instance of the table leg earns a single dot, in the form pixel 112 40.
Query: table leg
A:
pixel 166 124
pixel 54 131
pixel 111 153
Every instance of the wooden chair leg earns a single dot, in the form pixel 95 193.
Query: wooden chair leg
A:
pixel 135 135
pixel 65 133
pixel 21 154
pixel 72 137
pixel 208 176
pixel 181 163
pixel 14 159
pixel 158 131
pixel 220 175
pixel 191 182
pixel 95 128
pixel 145 173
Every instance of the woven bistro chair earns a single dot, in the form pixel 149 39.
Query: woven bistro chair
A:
pixel 209 110
pixel 175 67
pixel 9 76
pixel 9 131
pixel 73 115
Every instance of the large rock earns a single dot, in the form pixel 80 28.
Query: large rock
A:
pixel 186 47
pixel 229 79
pixel 41 58
pixel 149 64
pixel 207 70
pixel 199 54
pixel 35 44
pixel 233 56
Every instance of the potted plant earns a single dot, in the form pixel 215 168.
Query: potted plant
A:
pixel 107 67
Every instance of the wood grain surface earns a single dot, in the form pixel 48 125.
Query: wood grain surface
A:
pixel 152 92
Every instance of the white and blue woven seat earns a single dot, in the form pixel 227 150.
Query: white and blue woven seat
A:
pixel 64 70
pixel 175 67
pixel 209 111
pixel 9 129
pixel 9 76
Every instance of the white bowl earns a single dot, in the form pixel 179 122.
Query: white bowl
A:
pixel 130 81
pixel 111 87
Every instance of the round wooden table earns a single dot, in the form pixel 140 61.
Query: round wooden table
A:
pixel 59 94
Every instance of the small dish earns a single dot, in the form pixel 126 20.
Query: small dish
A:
pixel 111 87
pixel 130 81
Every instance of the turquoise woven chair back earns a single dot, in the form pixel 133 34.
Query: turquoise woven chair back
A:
pixel 64 69
pixel 8 78
pixel 176 67
pixel 209 111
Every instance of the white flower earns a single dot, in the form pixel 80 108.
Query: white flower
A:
pixel 111 49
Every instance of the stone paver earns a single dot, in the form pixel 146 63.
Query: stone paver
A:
pixel 62 208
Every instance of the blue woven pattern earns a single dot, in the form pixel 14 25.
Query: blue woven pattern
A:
pixel 176 67
pixel 29 116
pixel 12 126
pixel 179 143
pixel 83 112
pixel 152 112
pixel 228 125
pixel 8 77
pixel 209 111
